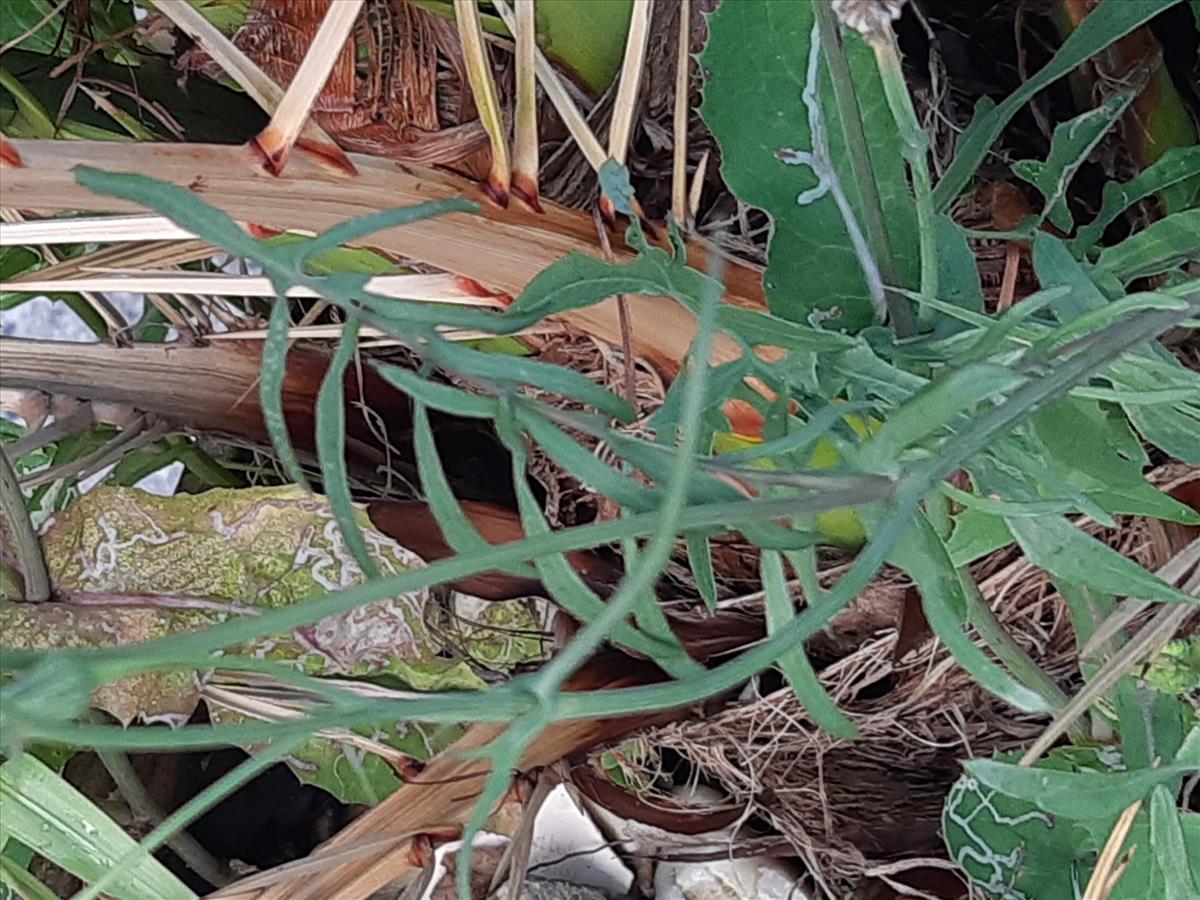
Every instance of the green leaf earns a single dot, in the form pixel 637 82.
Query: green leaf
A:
pixel 1074 795
pixel 270 389
pixel 1055 267
pixel 440 396
pixel 514 370
pixel 756 54
pixel 1176 165
pixel 1174 430
pixel 40 124
pixel 354 229
pixel 1147 874
pixel 1152 724
pixel 339 259
pixel 1112 21
pixel 921 553
pixel 16 260
pixel 795 664
pixel 565 585
pixel 615 183
pixel 42 810
pixel 1007 847
pixel 1173 427
pixel 935 407
pixel 1070 147
pixel 976 534
pixel 20 17
pixel 1160 246
pixel 456 528
pixel 1097 453
pixel 1067 552
pixel 331 447
pixel 584 464
pixel 700 560
pixel 227 16
pixel 182 207
pixel 16 883
pixel 586 37
pixel 958 274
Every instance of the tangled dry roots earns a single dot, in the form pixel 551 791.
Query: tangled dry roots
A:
pixel 847 806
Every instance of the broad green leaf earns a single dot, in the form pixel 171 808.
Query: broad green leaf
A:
pixel 1067 552
pixel 225 15
pixel 1070 147
pixel 1097 453
pixel 1009 848
pixel 976 534
pixel 757 54
pixel 1160 246
pixel 585 36
pixel 20 17
pixel 1055 267
pixel 15 260
pixel 1112 21
pixel 958 275
pixel 1073 795
pixel 45 812
pixel 795 664
pixel 1176 165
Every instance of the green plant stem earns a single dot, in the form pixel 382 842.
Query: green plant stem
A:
pixel 29 549
pixel 193 809
pixel 915 145
pixel 143 806
pixel 859 154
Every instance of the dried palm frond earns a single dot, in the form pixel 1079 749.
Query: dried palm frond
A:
pixel 525 142
pixel 501 249
pixel 487 101
pixel 328 47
